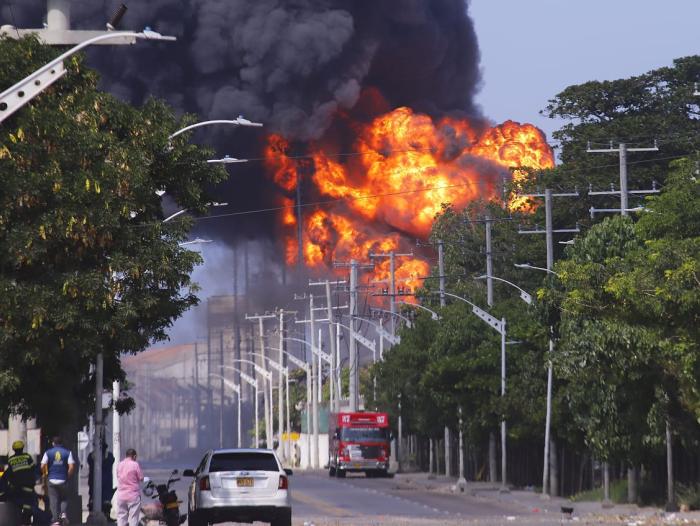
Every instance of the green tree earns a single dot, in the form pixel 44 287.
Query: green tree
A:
pixel 661 290
pixel 608 360
pixel 657 106
pixel 87 265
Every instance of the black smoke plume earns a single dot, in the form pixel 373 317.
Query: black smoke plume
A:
pixel 289 63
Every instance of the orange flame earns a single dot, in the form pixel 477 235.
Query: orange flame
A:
pixel 407 166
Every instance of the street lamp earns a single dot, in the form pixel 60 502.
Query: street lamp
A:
pixel 404 318
pixel 16 96
pixel 227 160
pixel 267 375
pixel 237 389
pixel 500 327
pixel 253 382
pixel 196 241
pixel 180 212
pixel 310 381
pixel 526 297
pixel 548 413
pixel 240 121
pixel 434 315
pixel 307 369
pixel 284 372
pixel 527 265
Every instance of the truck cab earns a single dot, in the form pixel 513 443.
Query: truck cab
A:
pixel 359 442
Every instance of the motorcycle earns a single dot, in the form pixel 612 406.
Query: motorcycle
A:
pixel 166 509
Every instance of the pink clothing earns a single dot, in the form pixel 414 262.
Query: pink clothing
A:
pixel 129 479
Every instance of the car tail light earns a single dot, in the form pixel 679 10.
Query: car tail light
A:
pixel 284 483
pixel 204 484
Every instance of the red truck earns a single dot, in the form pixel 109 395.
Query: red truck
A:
pixel 359 442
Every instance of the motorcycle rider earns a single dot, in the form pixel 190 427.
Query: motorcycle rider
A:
pixel 18 482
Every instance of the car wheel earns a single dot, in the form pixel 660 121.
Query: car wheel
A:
pixel 195 519
pixel 284 518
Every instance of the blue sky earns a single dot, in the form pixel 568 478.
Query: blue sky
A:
pixel 532 49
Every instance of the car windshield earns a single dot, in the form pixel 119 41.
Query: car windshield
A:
pixel 243 461
pixel 363 433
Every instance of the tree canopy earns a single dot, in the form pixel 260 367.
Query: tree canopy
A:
pixel 86 265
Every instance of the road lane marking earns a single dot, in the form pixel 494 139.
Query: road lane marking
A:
pixel 320 504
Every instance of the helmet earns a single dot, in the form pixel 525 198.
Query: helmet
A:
pixel 18 445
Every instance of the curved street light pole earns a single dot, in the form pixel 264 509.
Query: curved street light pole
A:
pixel 525 296
pixel 283 371
pixel 240 121
pixel 500 327
pixel 305 367
pixel 435 316
pixel 267 375
pixel 404 318
pixel 548 413
pixel 253 382
pixel 19 94
pixel 309 395
pixel 236 389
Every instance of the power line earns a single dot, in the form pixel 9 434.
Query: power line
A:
pixel 328 202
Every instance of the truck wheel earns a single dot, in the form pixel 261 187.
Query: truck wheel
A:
pixel 340 473
pixel 331 470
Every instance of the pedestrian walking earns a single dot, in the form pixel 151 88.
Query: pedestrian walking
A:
pixel 57 466
pixel 20 477
pixel 129 478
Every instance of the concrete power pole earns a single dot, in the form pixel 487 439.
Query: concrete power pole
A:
pixel 354 385
pixel 392 282
pixel 624 193
pixel 441 270
pixel 333 332
pixel 549 235
pixel 266 395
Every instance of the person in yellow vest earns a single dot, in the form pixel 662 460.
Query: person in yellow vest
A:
pixel 20 477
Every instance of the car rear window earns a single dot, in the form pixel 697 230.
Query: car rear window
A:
pixel 243 462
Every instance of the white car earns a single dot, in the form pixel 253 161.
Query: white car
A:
pixel 239 485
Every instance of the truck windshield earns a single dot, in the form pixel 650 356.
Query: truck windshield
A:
pixel 363 433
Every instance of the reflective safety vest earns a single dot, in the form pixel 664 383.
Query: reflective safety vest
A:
pixel 21 471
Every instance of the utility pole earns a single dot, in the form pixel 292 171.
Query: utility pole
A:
pixel 489 301
pixel 622 150
pixel 489 262
pixel 461 482
pixel 288 446
pixel 392 281
pixel 334 402
pixel 354 366
pixel 280 389
pixel 96 512
pixel 441 270
pixel 221 389
pixel 266 396
pixel 313 380
pixel 549 236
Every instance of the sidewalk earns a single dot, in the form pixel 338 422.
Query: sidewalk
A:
pixel 549 507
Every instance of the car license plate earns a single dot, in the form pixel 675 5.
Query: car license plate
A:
pixel 245 482
pixel 357 465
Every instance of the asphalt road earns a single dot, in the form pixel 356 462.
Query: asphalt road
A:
pixel 321 500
